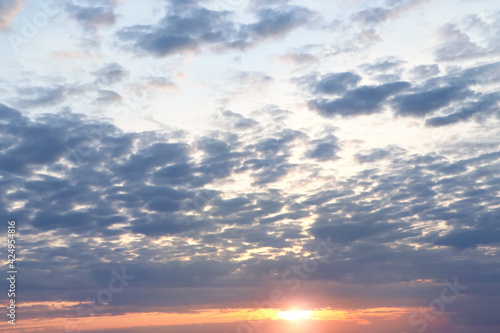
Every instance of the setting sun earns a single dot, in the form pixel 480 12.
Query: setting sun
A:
pixel 294 315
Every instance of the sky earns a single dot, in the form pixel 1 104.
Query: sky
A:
pixel 241 166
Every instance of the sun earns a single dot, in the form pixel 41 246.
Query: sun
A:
pixel 294 315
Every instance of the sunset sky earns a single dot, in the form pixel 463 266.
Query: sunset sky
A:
pixel 244 166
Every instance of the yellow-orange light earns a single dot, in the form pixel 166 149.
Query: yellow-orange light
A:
pixel 294 315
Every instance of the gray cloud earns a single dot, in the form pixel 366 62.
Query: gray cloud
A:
pixel 426 71
pixel 444 100
pixel 324 149
pixel 420 103
pixel 101 184
pixel 361 100
pixel 457 45
pixel 108 97
pixel 373 155
pixel 8 10
pixel 111 73
pixel 191 28
pixel 335 83
pixel 43 96
pixel 91 17
pixel 485 105
pixel 215 219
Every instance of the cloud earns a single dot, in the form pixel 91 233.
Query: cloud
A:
pixel 359 101
pixel 324 149
pixel 274 23
pixel 421 103
pixel 335 83
pixel 7 113
pixel 215 218
pixel 256 79
pixel 372 15
pixel 425 71
pixel 111 73
pixel 190 28
pixel 368 19
pixel 444 99
pixel 108 97
pixel 43 96
pixel 484 106
pixel 452 97
pixel 27 145
pixel 385 66
pixel 181 31
pixel 239 121
pixel 92 17
pixel 302 59
pixel 8 11
pixel 346 233
pixel 458 46
pixel 481 231
pixel 91 185
pixel 372 156
pixel 161 83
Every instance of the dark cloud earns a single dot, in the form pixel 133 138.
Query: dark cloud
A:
pixel 91 186
pixel 26 146
pixel 462 239
pixel 346 233
pixel 484 106
pixel 277 22
pixel 420 103
pixel 8 114
pixel 482 230
pixel 335 83
pixel 184 30
pixel 324 149
pixel 191 27
pixel 361 100
pixel 91 17
pixel 270 162
pixel 445 99
pixel 372 156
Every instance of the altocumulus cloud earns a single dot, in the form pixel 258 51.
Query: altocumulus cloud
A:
pixel 215 218
pixel 189 27
pixel 443 100
pixel 90 184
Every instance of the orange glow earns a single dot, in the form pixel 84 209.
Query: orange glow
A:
pixel 294 315
pixel 199 316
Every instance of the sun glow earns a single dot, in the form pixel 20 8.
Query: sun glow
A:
pixel 294 315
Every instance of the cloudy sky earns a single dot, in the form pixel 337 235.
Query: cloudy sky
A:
pixel 215 165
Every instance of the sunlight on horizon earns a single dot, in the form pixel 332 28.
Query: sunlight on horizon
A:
pixel 294 315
